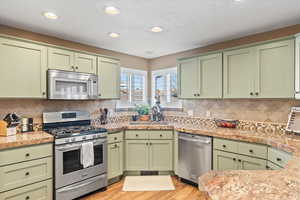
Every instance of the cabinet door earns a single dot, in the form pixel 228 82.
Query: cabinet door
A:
pixel 85 63
pixel 188 78
pixel 161 155
pixel 224 161
pixel 210 76
pixel 275 77
pixel 250 163
pixel 176 153
pixel 115 160
pixel 239 70
pixel 109 78
pixel 137 155
pixel 60 59
pixel 297 68
pixel 23 68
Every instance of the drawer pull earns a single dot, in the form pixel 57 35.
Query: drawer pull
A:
pixel 278 159
pixel 137 135
pixel 27 198
pixel 267 167
pixel 251 151
pixel 116 145
pixel 160 135
pixel 224 146
pixel 116 138
pixel 27 154
pixel 239 160
pixel 27 174
pixel 147 143
pixel 234 159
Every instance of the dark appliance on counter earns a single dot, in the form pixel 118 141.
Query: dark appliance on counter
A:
pixel 71 130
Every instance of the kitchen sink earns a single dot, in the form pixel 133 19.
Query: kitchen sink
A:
pixel 148 123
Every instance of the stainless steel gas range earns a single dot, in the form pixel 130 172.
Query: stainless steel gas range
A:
pixel 71 129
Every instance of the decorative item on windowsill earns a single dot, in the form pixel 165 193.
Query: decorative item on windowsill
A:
pixel 8 126
pixel 103 115
pixel 143 111
pixel 223 123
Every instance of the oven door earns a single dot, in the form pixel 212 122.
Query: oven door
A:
pixel 71 85
pixel 68 169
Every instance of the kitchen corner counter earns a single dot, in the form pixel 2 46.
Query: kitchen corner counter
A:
pixel 243 184
pixel 25 139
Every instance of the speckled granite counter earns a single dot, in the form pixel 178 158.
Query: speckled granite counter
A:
pixel 24 139
pixel 241 184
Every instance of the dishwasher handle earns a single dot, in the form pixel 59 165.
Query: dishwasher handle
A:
pixel 194 140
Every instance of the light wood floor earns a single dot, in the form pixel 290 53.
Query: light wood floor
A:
pixel 183 191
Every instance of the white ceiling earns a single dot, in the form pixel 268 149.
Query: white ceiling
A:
pixel 187 23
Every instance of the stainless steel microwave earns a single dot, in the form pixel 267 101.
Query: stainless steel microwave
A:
pixel 71 85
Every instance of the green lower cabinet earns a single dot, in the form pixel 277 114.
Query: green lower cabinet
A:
pixel 115 160
pixel 161 155
pixel 225 161
pixel 250 163
pixel 176 152
pixel 137 155
pixel 272 166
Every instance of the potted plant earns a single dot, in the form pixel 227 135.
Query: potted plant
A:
pixel 143 111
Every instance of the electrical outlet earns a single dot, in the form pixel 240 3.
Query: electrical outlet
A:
pixel 190 113
pixel 208 114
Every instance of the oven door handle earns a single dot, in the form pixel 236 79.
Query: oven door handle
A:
pixel 72 147
pixel 68 188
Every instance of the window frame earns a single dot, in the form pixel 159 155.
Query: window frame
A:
pixel 131 71
pixel 164 72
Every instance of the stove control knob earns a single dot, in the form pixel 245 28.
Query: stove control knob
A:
pixel 67 140
pixel 84 137
pixel 94 136
pixel 73 139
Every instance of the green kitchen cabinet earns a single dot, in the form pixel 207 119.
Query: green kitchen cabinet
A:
pixel 60 59
pixel 275 70
pixel 176 152
pixel 239 73
pixel 137 155
pixel 225 161
pixel 161 155
pixel 201 77
pixel 250 163
pixel 272 166
pixel 108 71
pixel 23 68
pixel 188 78
pixel 210 76
pixel 85 63
pixel 115 160
pixel 297 66
pixel 68 60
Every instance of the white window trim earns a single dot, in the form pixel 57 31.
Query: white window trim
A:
pixel 163 72
pixel 134 71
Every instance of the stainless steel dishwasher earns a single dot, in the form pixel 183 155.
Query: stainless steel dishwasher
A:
pixel 195 156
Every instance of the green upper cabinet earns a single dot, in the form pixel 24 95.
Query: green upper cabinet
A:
pixel 62 59
pixel 115 160
pixel 210 76
pixel 161 155
pixel 275 70
pixel 23 68
pixel 109 78
pixel 201 77
pixel 238 76
pixel 263 71
pixel 85 63
pixel 188 78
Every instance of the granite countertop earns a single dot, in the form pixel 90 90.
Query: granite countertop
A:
pixel 244 184
pixel 24 139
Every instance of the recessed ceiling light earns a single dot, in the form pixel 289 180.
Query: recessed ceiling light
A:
pixel 50 15
pixel 114 35
pixel 238 0
pixel 111 10
pixel 156 29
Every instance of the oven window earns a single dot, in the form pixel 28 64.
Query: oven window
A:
pixel 71 159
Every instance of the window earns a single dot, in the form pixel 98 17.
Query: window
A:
pixel 133 88
pixel 164 83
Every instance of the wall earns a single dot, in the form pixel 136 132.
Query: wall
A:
pixel 256 110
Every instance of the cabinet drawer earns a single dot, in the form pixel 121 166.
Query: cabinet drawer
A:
pixel 278 157
pixel 22 154
pixel 115 137
pixel 137 134
pixel 254 150
pixel 41 191
pixel 18 175
pixel 226 145
pixel 158 134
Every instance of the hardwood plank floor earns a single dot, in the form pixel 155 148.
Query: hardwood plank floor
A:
pixel 183 191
